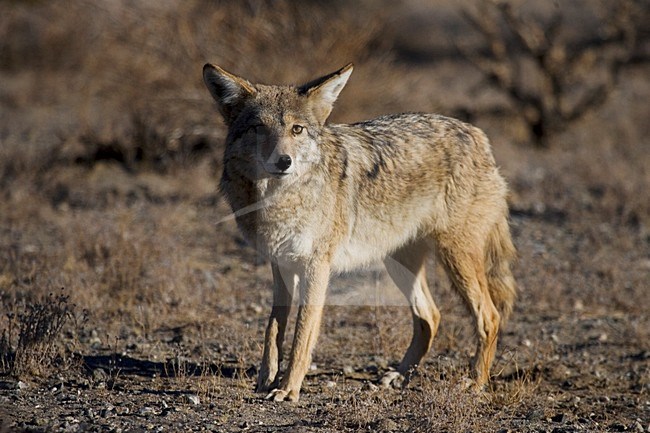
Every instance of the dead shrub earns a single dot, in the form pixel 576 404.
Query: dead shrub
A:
pixel 447 405
pixel 30 342
pixel 363 409
pixel 551 80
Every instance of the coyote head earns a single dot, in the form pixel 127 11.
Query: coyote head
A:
pixel 273 131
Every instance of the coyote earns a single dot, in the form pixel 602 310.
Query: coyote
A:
pixel 318 198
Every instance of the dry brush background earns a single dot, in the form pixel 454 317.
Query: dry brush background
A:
pixel 125 308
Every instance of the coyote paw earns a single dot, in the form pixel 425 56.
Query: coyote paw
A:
pixel 280 394
pixel 471 386
pixel 263 386
pixel 467 384
pixel 393 378
pixel 267 378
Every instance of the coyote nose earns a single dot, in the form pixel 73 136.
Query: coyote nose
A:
pixel 284 162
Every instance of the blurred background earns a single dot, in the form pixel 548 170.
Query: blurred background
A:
pixel 110 155
pixel 120 80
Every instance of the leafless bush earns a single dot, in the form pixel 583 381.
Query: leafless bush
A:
pixel 36 330
pixel 447 405
pixel 364 409
pixel 551 80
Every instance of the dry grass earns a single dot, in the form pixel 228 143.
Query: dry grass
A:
pixel 31 333
pixel 433 402
pixel 131 73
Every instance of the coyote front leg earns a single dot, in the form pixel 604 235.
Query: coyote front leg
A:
pixel 283 288
pixel 313 287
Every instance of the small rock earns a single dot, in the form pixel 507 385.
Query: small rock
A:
pixel 107 410
pixel 388 424
pixel 99 375
pixel 348 369
pixel 313 367
pixel 380 361
pixel 527 342
pixel 256 308
pixel 166 411
pixel 21 385
pixel 146 411
pixel 40 421
pixel 558 417
pixel 193 399
pixel 368 386
pixel 617 427
pixel 535 415
pixel 602 337
pixel 330 384
pixel 122 410
pixel 638 427
pixel 94 339
pixel 70 427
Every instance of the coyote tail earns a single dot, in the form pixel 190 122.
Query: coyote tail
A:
pixel 499 254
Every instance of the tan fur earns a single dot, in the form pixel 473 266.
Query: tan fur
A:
pixel 319 198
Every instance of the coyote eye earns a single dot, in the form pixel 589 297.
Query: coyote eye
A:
pixel 297 129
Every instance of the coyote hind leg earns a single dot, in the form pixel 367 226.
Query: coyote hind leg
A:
pixel 466 271
pixel 407 269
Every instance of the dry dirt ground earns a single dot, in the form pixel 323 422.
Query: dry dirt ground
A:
pixel 129 304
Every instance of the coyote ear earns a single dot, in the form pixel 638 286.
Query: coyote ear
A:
pixel 323 91
pixel 230 91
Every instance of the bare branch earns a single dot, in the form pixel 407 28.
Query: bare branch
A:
pixel 559 67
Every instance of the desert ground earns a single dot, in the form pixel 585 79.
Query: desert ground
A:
pixel 129 301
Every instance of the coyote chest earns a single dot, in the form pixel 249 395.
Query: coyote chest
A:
pixel 296 223
pixel 286 224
